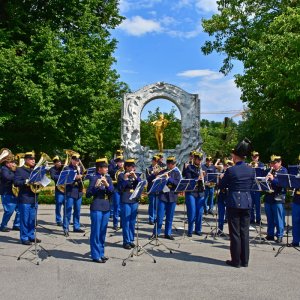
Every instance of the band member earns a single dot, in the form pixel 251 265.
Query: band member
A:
pixel 161 160
pixel 28 204
pixel 190 162
pixel 116 197
pixel 59 196
pixel 255 163
pixel 101 188
pixel 296 214
pixel 127 182
pixel 239 180
pixel 274 201
pixel 73 197
pixel 222 200
pixel 209 167
pixel 151 173
pixel 195 200
pixel 167 200
pixel 9 201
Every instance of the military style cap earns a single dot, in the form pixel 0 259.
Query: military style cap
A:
pixel 228 162
pixel 75 156
pixel 119 152
pixel 56 159
pixel 155 157
pixel 254 153
pixel 171 160
pixel 101 162
pixel 275 158
pixel 198 155
pixel 243 148
pixel 208 157
pixel 29 154
pixel 129 162
pixel 119 158
pixel 192 152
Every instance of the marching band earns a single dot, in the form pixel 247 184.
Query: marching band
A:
pixel 236 199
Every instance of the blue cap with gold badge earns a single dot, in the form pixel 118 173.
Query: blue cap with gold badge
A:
pixel 129 162
pixel 171 160
pixel 30 155
pixel 275 158
pixel 101 162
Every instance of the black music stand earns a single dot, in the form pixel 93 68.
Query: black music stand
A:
pixel 290 182
pixel 37 177
pixel 261 184
pixel 185 185
pixel 138 250
pixel 157 187
pixel 66 177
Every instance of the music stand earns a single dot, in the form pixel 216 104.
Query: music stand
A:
pixel 158 186
pixel 66 177
pixel 294 169
pixel 138 250
pixel 291 182
pixel 261 184
pixel 185 185
pixel 37 177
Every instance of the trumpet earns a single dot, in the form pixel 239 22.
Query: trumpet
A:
pixel 101 181
pixel 131 174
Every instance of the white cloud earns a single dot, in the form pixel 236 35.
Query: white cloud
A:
pixel 207 5
pixel 127 5
pixel 205 73
pixel 139 26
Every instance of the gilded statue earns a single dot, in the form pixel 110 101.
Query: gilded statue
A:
pixel 160 125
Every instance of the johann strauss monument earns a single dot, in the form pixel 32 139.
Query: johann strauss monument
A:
pixel 133 104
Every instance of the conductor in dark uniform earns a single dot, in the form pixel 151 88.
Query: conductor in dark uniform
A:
pixel 239 180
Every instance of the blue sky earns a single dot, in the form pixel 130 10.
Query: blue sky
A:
pixel 160 40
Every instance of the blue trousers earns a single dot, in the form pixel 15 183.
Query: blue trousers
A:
pixel 274 213
pixel 27 221
pixel 59 201
pixel 99 221
pixel 168 209
pixel 195 209
pixel 255 203
pixel 296 222
pixel 10 204
pixel 76 205
pixel 221 214
pixel 209 198
pixel 117 208
pixel 128 218
pixel 152 207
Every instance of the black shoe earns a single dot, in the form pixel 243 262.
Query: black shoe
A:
pixel 132 245
pixel 127 246
pixel 221 234
pixel 205 212
pixel 5 229
pixel 169 237
pixel 152 237
pixel 295 244
pixel 279 240
pixel 244 265
pixel 210 212
pixel 225 221
pixel 151 223
pixel 26 243
pixel 189 235
pixel 66 233
pixel 99 261
pixel 198 233
pixel 59 224
pixel 79 230
pixel 230 263
pixel 115 228
pixel 37 240
pixel 269 238
pixel 16 228
pixel 104 258
pixel 259 223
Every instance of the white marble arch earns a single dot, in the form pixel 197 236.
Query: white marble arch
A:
pixel 133 104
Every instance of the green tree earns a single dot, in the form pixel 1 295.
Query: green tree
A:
pixel 264 36
pixel 58 88
pixel 172 133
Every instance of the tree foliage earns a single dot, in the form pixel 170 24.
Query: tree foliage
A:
pixel 58 88
pixel 172 133
pixel 265 37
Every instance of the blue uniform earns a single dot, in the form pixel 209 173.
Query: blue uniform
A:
pixel 59 196
pixel 167 203
pixel 296 218
pixel 150 176
pixel 28 204
pixel 221 208
pixel 255 210
pixel 128 207
pixel 209 189
pixel 238 180
pixel 274 206
pixel 99 212
pixel 116 197
pixel 74 200
pixel 9 201
pixel 194 200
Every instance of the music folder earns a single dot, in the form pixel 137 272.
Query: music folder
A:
pixel 158 185
pixel 186 185
pixel 38 176
pixel 138 190
pixel 66 177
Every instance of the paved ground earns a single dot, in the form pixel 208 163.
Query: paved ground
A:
pixel 195 269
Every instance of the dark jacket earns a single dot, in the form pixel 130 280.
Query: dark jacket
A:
pixel 193 172
pixel 54 174
pixel 127 187
pixel 75 189
pixel 7 180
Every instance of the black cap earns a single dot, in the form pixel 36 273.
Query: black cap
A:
pixel 243 148
pixel 129 162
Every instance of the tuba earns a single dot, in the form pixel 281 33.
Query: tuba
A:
pixel 119 171
pixel 4 153
pixel 21 161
